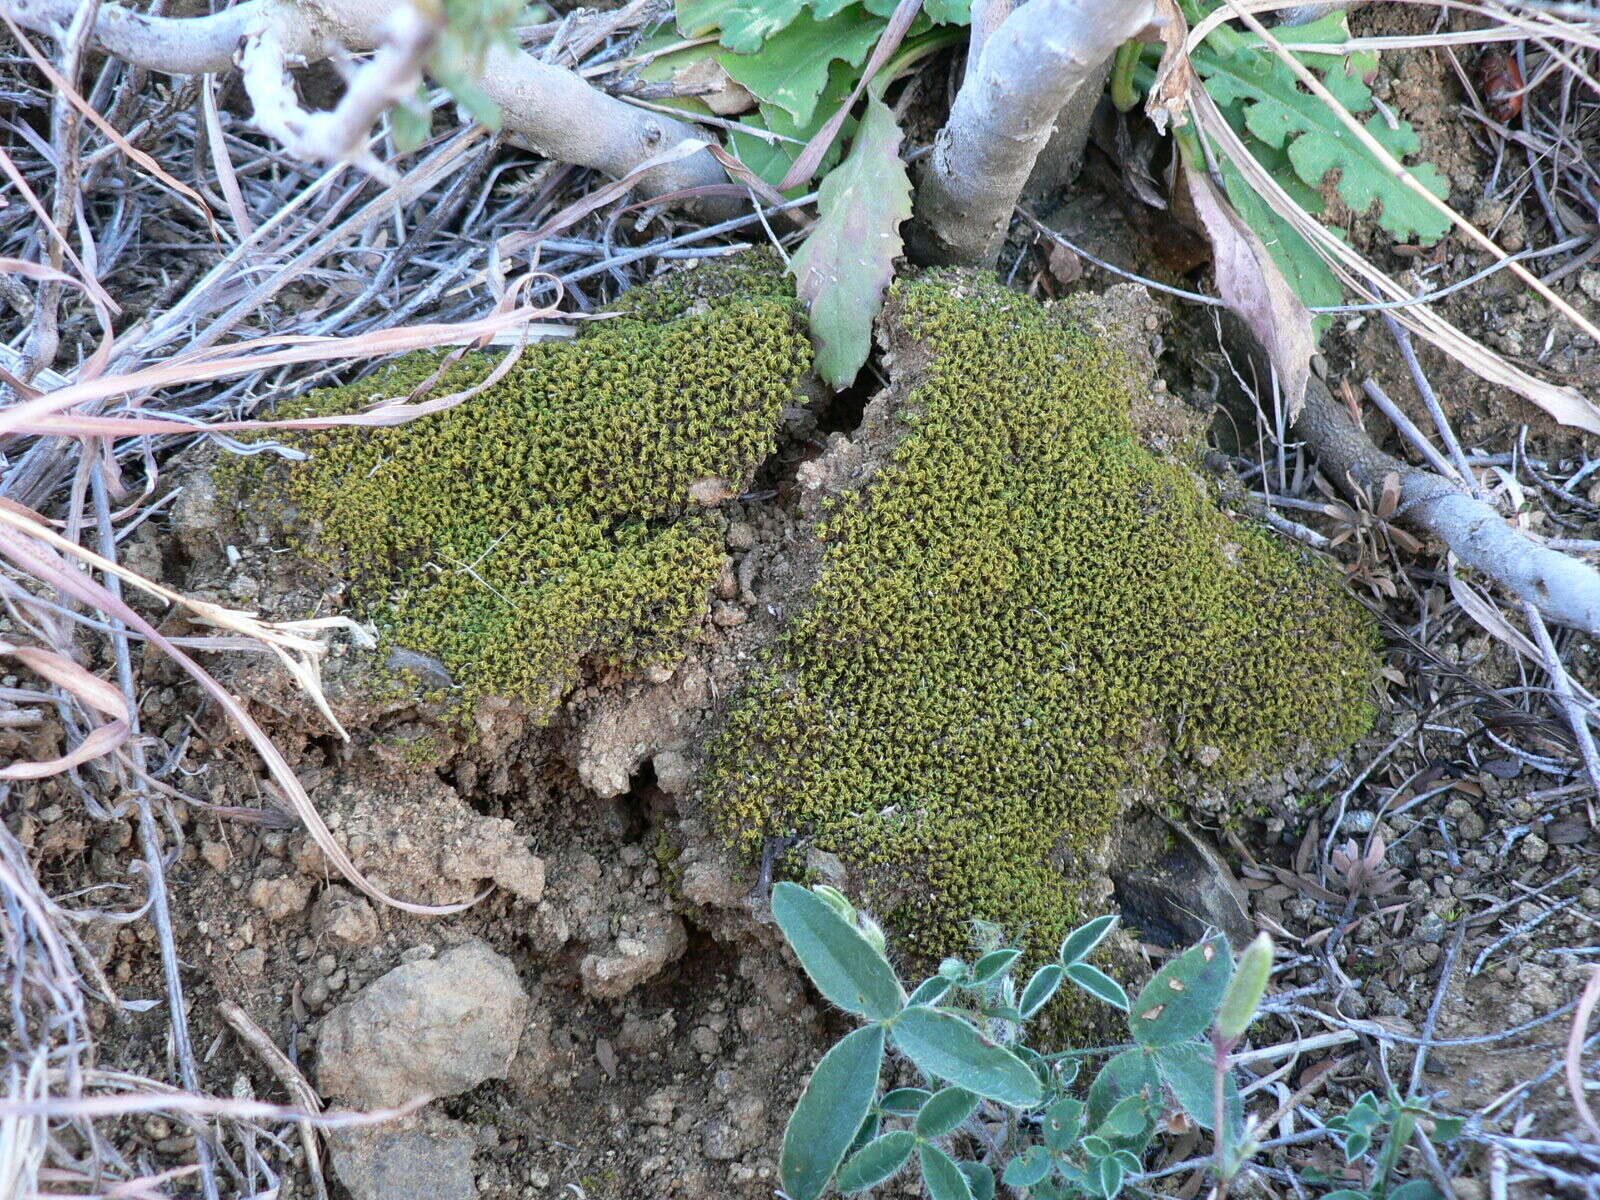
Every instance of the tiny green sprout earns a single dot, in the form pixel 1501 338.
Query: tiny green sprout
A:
pixel 1243 998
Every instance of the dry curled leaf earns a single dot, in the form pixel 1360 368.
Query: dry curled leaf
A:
pixel 1251 284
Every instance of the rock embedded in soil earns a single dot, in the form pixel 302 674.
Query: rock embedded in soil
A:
pixel 420 1158
pixel 436 1027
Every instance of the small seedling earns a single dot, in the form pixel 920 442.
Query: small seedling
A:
pixel 964 1028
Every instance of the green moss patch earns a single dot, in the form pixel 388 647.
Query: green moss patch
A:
pixel 1023 612
pixel 548 520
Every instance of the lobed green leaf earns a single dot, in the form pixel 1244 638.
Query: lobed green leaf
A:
pixel 848 258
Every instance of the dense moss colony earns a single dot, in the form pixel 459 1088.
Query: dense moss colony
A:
pixel 1023 611
pixel 548 518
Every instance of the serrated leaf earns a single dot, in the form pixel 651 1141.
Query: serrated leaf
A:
pixel 1189 1070
pixel 791 69
pixel 1080 943
pixel 991 966
pixel 1098 984
pixel 948 1048
pixel 876 1162
pixel 846 968
pixel 1283 116
pixel 848 258
pixel 741 25
pixel 1041 988
pixel 944 1111
pixel 980 1180
pixel 1130 1073
pixel 835 1102
pixel 941 1175
pixel 772 159
pixel 1179 1003
pixel 1027 1168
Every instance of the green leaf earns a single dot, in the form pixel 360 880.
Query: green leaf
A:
pixel 791 69
pixel 939 1171
pixel 1189 1069
pixel 945 1111
pixel 991 966
pixel 1446 1129
pixel 1283 116
pixel 1098 984
pixel 831 1109
pixel 1417 1189
pixel 948 1048
pixel 1130 1073
pixel 1108 1174
pixel 1080 943
pixel 869 1130
pixel 848 259
pixel 1128 1118
pixel 1041 988
pixel 1095 1146
pixel 905 1102
pixel 876 1162
pixel 839 960
pixel 1179 1003
pixel 1346 1194
pixel 772 159
pixel 1063 1123
pixel 1243 997
pixel 412 124
pixel 948 12
pixel 741 24
pixel 931 990
pixel 980 1180
pixel 1027 1168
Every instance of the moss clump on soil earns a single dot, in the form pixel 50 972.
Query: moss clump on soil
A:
pixel 1022 612
pixel 548 519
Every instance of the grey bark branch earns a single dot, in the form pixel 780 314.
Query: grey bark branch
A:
pixel 549 107
pixel 1561 587
pixel 1027 71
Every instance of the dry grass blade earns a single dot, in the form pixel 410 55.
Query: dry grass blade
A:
pixel 20 543
pixel 1565 404
pixel 1574 1060
pixel 241 359
pixel 64 89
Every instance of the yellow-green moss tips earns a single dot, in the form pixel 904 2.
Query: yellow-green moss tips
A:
pixel 1024 611
pixel 547 520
